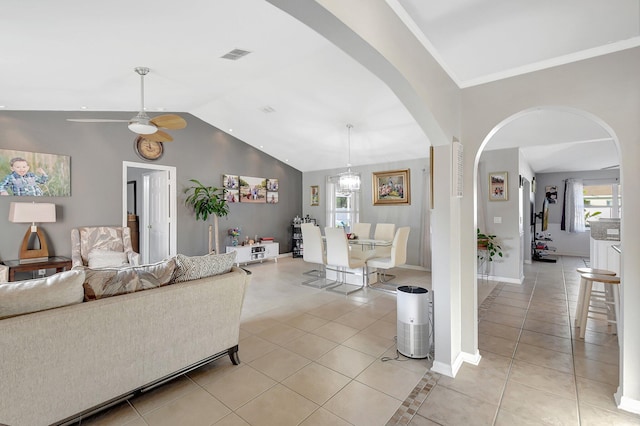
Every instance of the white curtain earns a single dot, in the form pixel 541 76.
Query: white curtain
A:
pixel 574 206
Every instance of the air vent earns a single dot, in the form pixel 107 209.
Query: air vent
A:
pixel 267 109
pixel 235 54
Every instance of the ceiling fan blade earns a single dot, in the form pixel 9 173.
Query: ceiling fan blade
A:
pixel 96 120
pixel 169 121
pixel 158 136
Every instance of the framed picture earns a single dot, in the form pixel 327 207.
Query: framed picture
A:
pixel 393 187
pixel 231 185
pixel 24 173
pixel 551 192
pixel 315 195
pixel 253 190
pixel 272 185
pixel 272 197
pixel 498 186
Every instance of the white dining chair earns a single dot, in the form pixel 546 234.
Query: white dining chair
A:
pixel 362 231
pixel 313 252
pixel 338 257
pixel 386 232
pixel 397 255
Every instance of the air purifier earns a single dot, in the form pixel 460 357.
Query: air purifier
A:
pixel 414 321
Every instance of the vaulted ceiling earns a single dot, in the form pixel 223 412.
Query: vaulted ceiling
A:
pixel 294 93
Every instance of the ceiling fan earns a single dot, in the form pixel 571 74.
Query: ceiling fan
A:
pixel 142 124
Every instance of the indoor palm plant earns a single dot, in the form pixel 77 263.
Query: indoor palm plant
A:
pixel 488 243
pixel 207 201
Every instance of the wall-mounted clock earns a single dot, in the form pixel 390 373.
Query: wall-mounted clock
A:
pixel 148 150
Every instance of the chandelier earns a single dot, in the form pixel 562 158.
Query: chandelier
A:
pixel 349 181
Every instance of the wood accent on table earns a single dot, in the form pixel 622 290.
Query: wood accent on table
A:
pixel 59 263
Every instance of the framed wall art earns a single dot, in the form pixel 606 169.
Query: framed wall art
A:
pixel 498 185
pixel 231 185
pixel 315 195
pixel 24 173
pixel 253 190
pixel 392 187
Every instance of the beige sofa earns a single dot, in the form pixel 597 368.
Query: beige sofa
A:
pixel 60 363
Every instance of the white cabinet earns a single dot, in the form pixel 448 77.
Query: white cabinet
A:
pixel 255 252
pixel 600 255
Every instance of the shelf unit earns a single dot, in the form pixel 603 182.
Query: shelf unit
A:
pixel 540 250
pixel 296 240
pixel 255 252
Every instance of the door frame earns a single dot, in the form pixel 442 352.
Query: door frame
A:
pixel 173 229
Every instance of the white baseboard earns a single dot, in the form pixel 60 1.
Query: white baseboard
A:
pixel 472 358
pixel 627 404
pixel 446 369
pixel 506 279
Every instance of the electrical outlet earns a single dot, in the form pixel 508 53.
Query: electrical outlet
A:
pixel 41 272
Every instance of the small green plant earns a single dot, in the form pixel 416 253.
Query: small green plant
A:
pixel 207 201
pixel 588 215
pixel 488 246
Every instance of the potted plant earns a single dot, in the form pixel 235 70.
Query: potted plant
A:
pixel 207 201
pixel 488 243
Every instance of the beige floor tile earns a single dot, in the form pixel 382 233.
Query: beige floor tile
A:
pixel 311 346
pixel 545 308
pixel 346 361
pixel 377 310
pixel 335 332
pixel 280 363
pixel 322 417
pixel 278 406
pixel 506 309
pixel 162 395
pixel 603 339
pixel 547 328
pixel 526 402
pixel 549 317
pixel 596 370
pixel 281 334
pixel 195 408
pixel 498 330
pixel 120 414
pixel 231 420
pixel 356 319
pixel 498 364
pixel 369 344
pixel 448 407
pixel 545 357
pixel 497 345
pixel 547 341
pixel 240 386
pixel 507 418
pixel 504 319
pixel 507 301
pixel 382 328
pixel 333 310
pixel 362 406
pixel 389 377
pixel 476 382
pixel 596 393
pixel 257 324
pixel 254 347
pixel 391 317
pixel 418 365
pixel 525 297
pixel 544 379
pixel 595 416
pixel 316 382
pixel 607 354
pixel 306 322
pixel 418 420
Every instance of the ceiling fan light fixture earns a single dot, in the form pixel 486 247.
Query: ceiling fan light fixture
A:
pixel 140 124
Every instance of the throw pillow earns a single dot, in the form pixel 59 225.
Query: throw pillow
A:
pixel 195 267
pixel 61 289
pixel 107 258
pixel 107 282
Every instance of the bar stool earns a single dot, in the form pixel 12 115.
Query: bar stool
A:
pixel 587 304
pixel 578 315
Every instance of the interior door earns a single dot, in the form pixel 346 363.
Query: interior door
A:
pixel 155 216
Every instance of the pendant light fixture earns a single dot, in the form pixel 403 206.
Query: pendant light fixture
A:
pixel 349 181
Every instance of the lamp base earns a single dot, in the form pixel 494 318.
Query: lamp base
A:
pixel 27 255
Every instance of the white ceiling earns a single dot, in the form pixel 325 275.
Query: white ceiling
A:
pixel 71 54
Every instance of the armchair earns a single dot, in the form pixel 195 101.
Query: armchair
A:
pixel 111 238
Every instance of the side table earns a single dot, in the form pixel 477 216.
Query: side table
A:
pixel 60 264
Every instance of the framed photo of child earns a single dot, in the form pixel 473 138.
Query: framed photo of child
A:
pixel 498 186
pixel 35 174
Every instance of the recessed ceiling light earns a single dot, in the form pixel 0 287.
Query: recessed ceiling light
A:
pixel 3 106
pixel 230 130
pixel 83 107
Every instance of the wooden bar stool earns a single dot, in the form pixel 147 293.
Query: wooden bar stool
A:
pixel 588 306
pixel 581 271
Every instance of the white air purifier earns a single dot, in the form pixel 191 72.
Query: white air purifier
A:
pixel 414 324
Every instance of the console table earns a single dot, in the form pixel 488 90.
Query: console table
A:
pixel 59 263
pixel 255 252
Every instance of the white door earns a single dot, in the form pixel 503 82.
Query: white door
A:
pixel 155 216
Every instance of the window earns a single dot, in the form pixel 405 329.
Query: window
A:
pixel 343 209
pixel 602 201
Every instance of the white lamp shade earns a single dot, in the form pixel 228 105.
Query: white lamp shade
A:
pixel 349 181
pixel 32 212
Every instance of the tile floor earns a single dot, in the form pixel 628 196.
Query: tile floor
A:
pixel 311 357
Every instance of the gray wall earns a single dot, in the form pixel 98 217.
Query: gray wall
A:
pixel 97 151
pixel 402 215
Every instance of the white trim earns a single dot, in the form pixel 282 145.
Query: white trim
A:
pixel 472 358
pixel 626 403
pixel 446 369
pixel 506 280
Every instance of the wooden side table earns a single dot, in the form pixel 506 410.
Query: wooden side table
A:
pixel 60 264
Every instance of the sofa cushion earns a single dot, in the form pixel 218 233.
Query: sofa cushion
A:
pixel 106 282
pixel 195 267
pixel 21 297
pixel 107 258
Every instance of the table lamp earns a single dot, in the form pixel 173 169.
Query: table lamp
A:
pixel 33 212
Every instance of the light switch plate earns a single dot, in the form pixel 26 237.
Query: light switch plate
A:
pixel 497 219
